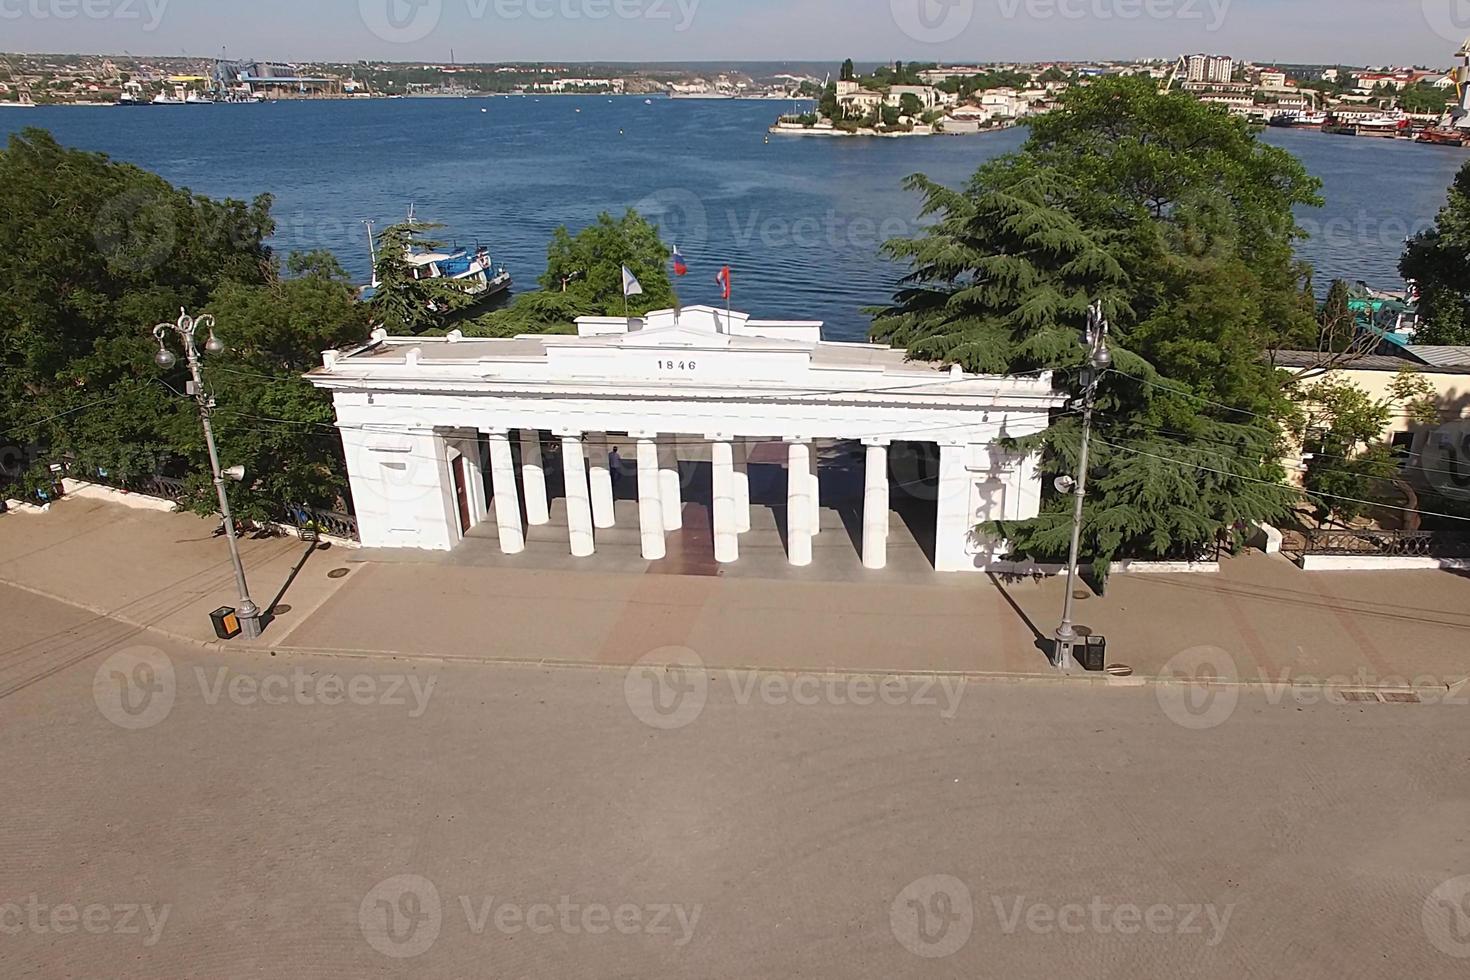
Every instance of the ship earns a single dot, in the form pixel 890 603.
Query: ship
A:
pixel 1442 136
pixel 472 272
pixel 1298 119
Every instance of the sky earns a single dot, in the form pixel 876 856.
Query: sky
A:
pixel 1362 32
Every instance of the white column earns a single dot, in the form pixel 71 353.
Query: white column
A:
pixel 602 484
pixel 650 509
pixel 671 485
pixel 726 519
pixel 955 517
pixel 814 458
pixel 799 504
pixel 875 508
pixel 742 487
pixel 507 498
pixel 533 475
pixel 579 497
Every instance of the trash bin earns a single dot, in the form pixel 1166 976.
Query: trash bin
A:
pixel 226 623
pixel 1092 653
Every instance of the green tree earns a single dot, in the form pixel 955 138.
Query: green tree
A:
pixel 1438 262
pixel 828 106
pixel 270 420
pixel 1052 74
pixel 910 105
pixel 1349 465
pixel 1424 98
pixel 93 254
pixel 1338 323
pixel 405 301
pixel 849 73
pixel 584 277
pixel 1180 222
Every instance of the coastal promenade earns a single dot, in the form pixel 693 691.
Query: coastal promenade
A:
pixel 1261 622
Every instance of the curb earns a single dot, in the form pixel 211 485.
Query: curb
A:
pixel 209 645
pixel 1073 679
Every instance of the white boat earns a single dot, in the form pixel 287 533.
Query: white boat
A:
pixel 195 98
pixel 474 273
pixel 161 99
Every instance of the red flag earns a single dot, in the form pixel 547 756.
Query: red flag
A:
pixel 723 281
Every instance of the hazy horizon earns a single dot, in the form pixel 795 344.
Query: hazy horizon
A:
pixel 1361 32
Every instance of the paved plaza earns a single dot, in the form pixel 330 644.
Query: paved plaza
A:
pixel 173 811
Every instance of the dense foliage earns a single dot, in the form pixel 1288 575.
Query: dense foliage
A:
pixel 1438 261
pixel 93 253
pixel 403 303
pixel 1179 221
pixel 584 277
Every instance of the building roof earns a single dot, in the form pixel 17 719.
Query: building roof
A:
pixel 1441 356
pixel 703 352
pixel 1371 362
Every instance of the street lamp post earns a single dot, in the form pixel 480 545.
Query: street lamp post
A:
pixel 1099 360
pixel 249 612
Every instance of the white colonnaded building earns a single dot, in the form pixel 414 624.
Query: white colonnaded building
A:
pixel 443 435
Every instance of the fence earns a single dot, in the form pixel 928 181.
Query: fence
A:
pixel 1381 544
pixel 328 522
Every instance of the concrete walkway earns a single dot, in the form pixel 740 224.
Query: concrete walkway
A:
pixel 1262 621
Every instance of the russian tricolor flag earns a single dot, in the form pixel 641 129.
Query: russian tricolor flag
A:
pixel 723 281
pixel 680 267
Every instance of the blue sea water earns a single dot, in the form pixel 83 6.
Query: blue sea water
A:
pixel 799 219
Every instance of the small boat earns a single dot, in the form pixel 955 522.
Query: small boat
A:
pixel 1442 136
pixel 1384 126
pixel 162 99
pixel 194 98
pixel 474 273
pixel 1297 119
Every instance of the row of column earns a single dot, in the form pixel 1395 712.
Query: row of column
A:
pixel 589 495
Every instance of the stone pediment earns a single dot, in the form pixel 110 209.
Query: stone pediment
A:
pixel 671 336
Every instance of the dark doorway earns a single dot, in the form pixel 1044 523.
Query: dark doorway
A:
pixel 462 495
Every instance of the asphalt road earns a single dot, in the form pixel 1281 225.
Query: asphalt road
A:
pixel 169 812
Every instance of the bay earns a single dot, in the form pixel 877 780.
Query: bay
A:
pixel 799 219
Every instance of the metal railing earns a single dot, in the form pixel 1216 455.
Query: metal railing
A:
pixel 1387 544
pixel 329 522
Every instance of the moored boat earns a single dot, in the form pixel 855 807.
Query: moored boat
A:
pixel 1441 136
pixel 472 272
